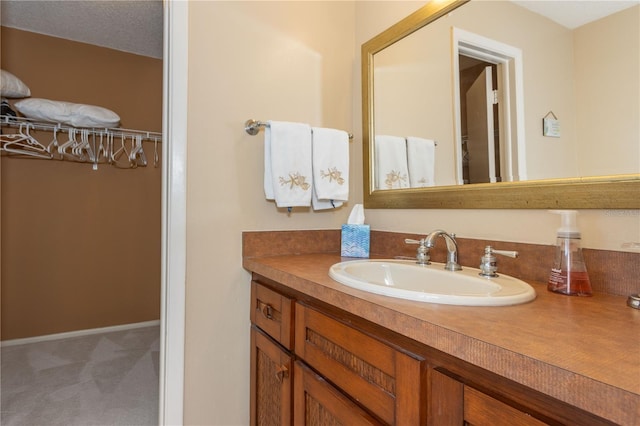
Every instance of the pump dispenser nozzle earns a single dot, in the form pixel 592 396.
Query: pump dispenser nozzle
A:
pixel 569 273
pixel 568 226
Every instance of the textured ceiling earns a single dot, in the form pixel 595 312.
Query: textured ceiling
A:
pixel 126 25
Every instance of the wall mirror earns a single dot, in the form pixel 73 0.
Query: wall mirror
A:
pixel 564 132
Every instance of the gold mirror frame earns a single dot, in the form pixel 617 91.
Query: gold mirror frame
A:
pixel 600 192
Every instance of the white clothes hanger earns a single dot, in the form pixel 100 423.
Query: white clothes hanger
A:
pixel 117 154
pixel 156 157
pixel 82 145
pixel 78 147
pixel 101 149
pixel 69 144
pixel 23 143
pixel 83 150
pixel 137 156
pixel 109 147
pixel 53 146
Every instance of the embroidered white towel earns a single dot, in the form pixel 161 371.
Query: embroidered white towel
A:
pixel 330 149
pixel 391 162
pixel 324 204
pixel 421 156
pixel 287 164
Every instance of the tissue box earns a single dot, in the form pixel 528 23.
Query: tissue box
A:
pixel 355 240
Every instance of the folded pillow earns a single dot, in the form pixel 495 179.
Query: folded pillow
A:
pixel 77 115
pixel 12 87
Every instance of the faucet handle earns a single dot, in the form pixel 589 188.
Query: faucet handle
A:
pixel 488 262
pixel 508 253
pixel 422 254
pixel 411 241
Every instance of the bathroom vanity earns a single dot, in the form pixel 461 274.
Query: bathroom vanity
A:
pixel 324 353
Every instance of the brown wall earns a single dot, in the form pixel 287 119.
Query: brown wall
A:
pixel 80 248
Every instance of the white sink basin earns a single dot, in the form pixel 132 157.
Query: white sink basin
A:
pixel 431 283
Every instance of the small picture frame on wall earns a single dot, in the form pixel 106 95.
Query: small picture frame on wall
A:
pixel 551 125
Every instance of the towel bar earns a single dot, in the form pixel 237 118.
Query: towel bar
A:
pixel 252 127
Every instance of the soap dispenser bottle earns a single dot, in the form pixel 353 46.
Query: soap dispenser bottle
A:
pixel 569 273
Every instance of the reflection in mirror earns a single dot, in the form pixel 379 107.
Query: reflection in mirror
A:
pixel 481 93
pixel 413 94
pixel 488 109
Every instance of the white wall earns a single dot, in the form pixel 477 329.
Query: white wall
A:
pixel 599 52
pixel 264 60
pixel 295 61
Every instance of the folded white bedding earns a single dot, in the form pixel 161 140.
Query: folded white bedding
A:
pixel 12 87
pixel 77 115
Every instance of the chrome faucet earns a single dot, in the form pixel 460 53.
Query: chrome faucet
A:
pixel 422 254
pixel 452 248
pixel 488 263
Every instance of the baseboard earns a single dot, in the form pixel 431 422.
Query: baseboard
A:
pixel 78 333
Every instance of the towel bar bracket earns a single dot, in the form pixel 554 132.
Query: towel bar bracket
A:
pixel 252 127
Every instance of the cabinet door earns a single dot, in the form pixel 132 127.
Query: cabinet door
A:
pixel 316 402
pixel 386 381
pixel 445 400
pixel 271 383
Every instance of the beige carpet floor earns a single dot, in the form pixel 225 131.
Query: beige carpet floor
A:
pixel 103 379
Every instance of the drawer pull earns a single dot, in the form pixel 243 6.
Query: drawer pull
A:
pixel 267 311
pixel 282 373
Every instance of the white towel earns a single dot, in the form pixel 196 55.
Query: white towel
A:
pixel 324 204
pixel 421 155
pixel 391 162
pixel 287 164
pixel 330 167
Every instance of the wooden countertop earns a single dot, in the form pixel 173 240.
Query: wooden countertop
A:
pixel 581 350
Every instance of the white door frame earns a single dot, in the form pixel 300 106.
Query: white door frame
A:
pixel 174 174
pixel 510 74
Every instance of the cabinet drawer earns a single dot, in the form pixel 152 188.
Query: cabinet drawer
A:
pixel 454 402
pixel 387 382
pixel 481 409
pixel 273 313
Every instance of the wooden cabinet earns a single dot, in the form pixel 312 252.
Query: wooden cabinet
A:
pixel 271 384
pixel 457 400
pixel 454 403
pixel 272 312
pixel 342 375
pixel 386 381
pixel 480 409
pixel 313 364
pixel 271 358
pixel 319 403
